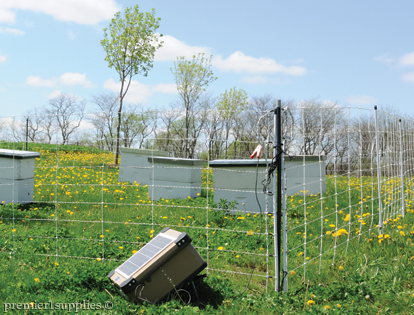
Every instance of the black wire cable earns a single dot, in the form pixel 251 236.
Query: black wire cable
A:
pixel 261 228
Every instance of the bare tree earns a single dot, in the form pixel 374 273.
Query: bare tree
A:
pixel 49 126
pixel 164 138
pixel 317 126
pixel 17 129
pixel 137 122
pixel 34 124
pixel 105 120
pixel 68 113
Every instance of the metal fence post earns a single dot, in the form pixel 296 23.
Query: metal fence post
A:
pixel 285 228
pixel 279 181
pixel 275 218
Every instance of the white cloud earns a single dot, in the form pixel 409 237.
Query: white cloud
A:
pixel 173 48
pixel 260 79
pixel 361 100
pixel 38 81
pixel 407 60
pixel 68 78
pixel 3 58
pixel 88 12
pixel 384 58
pixel 6 15
pixel 408 77
pixel 138 92
pixel 12 31
pixel 239 62
pixel 54 94
pixel 166 88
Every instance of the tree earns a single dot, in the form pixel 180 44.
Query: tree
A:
pixel 67 112
pixel 137 122
pixel 231 104
pixel 318 126
pixel 49 124
pixel 105 120
pixel 34 121
pixel 191 77
pixel 164 138
pixel 130 44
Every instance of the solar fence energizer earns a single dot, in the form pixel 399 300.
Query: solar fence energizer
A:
pixel 159 269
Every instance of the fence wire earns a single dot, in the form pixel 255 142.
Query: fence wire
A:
pixel 365 162
pixel 86 207
pixel 348 174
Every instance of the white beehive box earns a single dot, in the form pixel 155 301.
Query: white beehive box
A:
pixel 174 178
pixel 305 174
pixel 17 175
pixel 135 165
pixel 234 180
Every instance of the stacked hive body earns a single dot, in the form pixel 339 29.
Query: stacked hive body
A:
pixel 235 181
pixel 135 166
pixel 17 175
pixel 305 174
pixel 174 178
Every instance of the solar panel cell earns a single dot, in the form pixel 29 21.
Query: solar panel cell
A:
pixel 144 255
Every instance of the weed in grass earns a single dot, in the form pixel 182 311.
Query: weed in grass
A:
pixel 88 222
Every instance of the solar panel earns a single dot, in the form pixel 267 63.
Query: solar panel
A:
pixel 144 255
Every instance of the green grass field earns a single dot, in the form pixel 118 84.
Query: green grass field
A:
pixel 83 223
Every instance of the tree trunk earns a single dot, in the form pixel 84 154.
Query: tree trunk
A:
pixel 118 128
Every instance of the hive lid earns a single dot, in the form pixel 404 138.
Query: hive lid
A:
pixel 262 162
pixel 144 151
pixel 238 162
pixel 176 161
pixel 17 154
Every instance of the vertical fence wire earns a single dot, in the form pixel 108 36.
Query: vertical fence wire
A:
pixel 369 165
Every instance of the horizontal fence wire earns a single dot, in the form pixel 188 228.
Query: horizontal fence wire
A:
pixel 84 206
pixel 360 183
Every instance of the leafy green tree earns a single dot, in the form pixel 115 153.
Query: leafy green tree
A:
pixel 130 43
pixel 191 77
pixel 231 104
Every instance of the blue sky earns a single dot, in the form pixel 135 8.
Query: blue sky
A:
pixel 357 53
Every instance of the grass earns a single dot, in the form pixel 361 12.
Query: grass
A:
pixel 84 223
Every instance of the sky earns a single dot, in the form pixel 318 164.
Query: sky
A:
pixel 356 53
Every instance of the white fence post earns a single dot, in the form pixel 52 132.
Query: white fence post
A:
pixel 402 171
pixel 380 223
